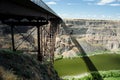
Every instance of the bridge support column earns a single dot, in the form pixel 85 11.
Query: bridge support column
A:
pixel 12 36
pixel 38 40
pixel 53 31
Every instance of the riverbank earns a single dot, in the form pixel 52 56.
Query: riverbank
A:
pixel 106 75
pixel 77 66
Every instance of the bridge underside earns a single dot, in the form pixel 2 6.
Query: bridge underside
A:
pixel 17 13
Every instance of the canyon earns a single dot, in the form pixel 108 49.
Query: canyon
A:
pixel 92 35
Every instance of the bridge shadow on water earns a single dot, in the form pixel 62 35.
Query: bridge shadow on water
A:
pixel 91 67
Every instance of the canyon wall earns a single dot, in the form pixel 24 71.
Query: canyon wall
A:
pixel 96 32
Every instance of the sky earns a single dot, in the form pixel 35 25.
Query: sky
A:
pixel 86 9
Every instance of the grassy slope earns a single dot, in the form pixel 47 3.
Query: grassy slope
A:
pixel 77 66
pixel 112 78
pixel 25 67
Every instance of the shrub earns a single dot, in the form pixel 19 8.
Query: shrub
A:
pixel 7 75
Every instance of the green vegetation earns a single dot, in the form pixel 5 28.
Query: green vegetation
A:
pixel 24 67
pixel 58 57
pixel 75 66
pixel 106 75
pixel 70 66
pixel 103 52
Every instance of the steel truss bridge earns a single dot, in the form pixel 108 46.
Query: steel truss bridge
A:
pixel 35 13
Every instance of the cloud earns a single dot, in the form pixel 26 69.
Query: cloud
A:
pixel 104 2
pixel 73 4
pixel 51 3
pixel 115 4
pixel 109 2
pixel 69 3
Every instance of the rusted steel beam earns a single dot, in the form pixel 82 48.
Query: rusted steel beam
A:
pixel 53 32
pixel 44 40
pixel 38 40
pixel 12 36
pixel 25 38
pixel 26 23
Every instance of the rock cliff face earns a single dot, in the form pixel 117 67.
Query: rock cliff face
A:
pixel 96 32
pixel 65 47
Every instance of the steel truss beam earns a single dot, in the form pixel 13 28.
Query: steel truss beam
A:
pixel 45 37
pixel 16 13
pixel 47 42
